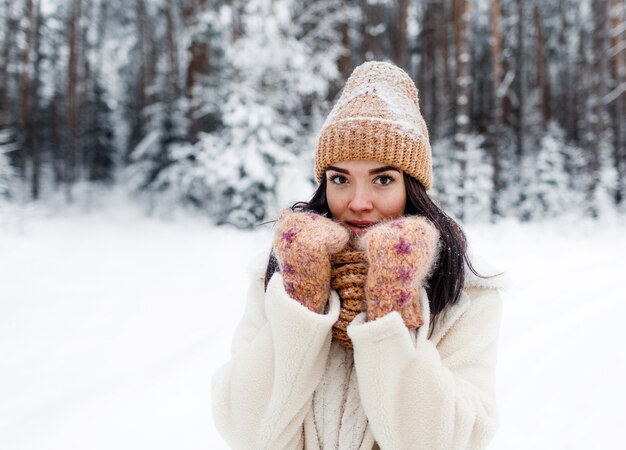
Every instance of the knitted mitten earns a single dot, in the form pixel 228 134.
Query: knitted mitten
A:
pixel 400 254
pixel 303 244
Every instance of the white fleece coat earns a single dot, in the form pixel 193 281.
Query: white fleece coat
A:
pixel 401 390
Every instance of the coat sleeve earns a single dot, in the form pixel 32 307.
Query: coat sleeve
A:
pixel 261 396
pixel 418 395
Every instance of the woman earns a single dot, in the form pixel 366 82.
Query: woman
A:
pixel 366 329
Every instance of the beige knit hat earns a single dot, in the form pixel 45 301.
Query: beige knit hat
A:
pixel 377 118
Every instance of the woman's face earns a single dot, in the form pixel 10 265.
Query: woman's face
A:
pixel 363 193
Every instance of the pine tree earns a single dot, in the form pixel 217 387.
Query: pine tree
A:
pixel 275 79
pixel 165 125
pixel 7 174
pixel 446 175
pixel 99 136
pixel 545 179
pixel 478 183
pixel 607 178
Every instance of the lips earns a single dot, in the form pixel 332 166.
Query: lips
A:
pixel 359 226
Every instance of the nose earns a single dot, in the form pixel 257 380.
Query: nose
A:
pixel 361 200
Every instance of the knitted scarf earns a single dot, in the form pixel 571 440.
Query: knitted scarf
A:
pixel 348 273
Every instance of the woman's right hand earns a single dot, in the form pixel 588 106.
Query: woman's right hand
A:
pixel 303 244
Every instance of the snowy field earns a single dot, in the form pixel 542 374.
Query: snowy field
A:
pixel 111 325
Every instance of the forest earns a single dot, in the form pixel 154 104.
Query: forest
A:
pixel 215 104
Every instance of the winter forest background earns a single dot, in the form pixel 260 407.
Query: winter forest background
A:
pixel 205 114
pixel 215 105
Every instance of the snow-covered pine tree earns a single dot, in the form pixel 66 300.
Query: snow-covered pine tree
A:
pixel 275 80
pixel 7 173
pixel 544 178
pixel 509 180
pixel 478 183
pixel 99 135
pixel 474 200
pixel 166 122
pixel 189 177
pixel 100 151
pixel 205 39
pixel 446 175
pixel 604 196
pixel 256 138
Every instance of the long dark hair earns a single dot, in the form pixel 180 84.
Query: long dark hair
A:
pixel 446 281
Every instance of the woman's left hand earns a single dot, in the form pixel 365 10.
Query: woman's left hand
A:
pixel 401 253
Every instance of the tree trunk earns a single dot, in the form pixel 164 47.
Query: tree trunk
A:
pixel 235 14
pixel 73 118
pixel 35 107
pixel 449 81
pixel 56 113
pixel 103 20
pixel 172 52
pixel 191 10
pixel 371 43
pixel 9 33
pixel 146 74
pixel 344 63
pixel 565 99
pixel 598 116
pixel 463 38
pixel 520 75
pixel 426 76
pixel 497 109
pixel 618 96
pixel 199 65
pixel 86 89
pixel 25 89
pixel 543 82
pixel 399 45
pixel 579 75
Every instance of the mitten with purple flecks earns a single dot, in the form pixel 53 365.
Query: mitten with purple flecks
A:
pixel 401 253
pixel 303 244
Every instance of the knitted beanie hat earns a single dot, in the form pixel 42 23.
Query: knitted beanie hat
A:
pixel 377 118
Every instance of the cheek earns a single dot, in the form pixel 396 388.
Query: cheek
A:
pixel 394 204
pixel 334 203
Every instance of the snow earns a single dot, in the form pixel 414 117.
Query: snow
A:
pixel 462 119
pixel 111 324
pixel 561 358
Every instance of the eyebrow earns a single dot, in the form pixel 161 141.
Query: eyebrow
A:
pixel 371 172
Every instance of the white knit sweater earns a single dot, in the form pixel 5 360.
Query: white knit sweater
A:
pixel 288 387
pixel 340 421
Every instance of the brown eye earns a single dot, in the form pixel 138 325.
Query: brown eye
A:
pixel 384 180
pixel 338 179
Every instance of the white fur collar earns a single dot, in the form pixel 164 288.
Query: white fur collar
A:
pixel 495 279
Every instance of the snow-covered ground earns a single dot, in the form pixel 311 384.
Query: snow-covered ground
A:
pixel 111 325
